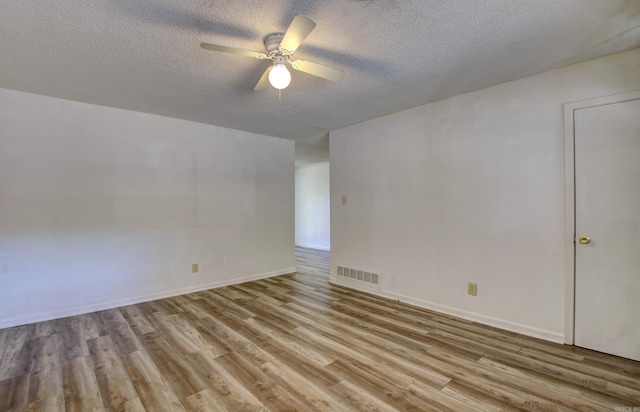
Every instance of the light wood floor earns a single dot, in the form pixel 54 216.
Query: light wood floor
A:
pixel 294 342
pixel 312 261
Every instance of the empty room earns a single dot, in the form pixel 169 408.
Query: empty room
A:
pixel 342 205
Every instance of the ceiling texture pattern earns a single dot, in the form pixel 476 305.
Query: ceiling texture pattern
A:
pixel 145 55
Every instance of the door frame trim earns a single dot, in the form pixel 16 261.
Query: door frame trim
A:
pixel 569 202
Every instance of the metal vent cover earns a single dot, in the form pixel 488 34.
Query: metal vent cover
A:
pixel 359 275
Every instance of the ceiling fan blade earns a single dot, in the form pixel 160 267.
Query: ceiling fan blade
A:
pixel 317 69
pixel 264 80
pixel 298 30
pixel 234 50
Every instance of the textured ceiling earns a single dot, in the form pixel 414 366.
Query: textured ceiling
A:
pixel 144 55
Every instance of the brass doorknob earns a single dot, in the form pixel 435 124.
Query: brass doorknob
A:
pixel 585 240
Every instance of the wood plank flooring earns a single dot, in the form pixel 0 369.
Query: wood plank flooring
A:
pixel 312 261
pixel 296 343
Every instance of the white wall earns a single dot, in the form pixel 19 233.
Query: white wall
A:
pixel 100 207
pixel 468 189
pixel 313 206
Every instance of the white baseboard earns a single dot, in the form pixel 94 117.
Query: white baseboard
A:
pixel 472 316
pixel 79 310
pixel 314 247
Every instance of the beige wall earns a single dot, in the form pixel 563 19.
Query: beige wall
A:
pixel 468 189
pixel 313 217
pixel 101 207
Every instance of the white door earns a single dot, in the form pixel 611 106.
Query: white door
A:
pixel 607 202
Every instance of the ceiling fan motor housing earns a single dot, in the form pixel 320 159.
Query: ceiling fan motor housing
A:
pixel 272 43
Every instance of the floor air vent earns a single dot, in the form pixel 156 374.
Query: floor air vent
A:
pixel 359 275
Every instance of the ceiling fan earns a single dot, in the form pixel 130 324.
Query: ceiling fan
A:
pixel 279 47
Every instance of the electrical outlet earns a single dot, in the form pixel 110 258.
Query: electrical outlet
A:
pixel 195 267
pixel 472 289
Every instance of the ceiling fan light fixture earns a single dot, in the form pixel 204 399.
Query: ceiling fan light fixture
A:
pixel 279 47
pixel 279 76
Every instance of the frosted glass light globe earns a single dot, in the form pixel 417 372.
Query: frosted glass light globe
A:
pixel 279 76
